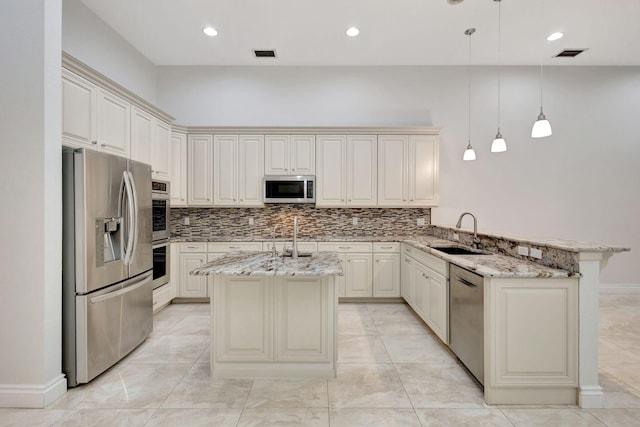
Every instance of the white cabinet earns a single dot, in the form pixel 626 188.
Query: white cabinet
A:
pixel 357 260
pixel 192 286
pixel 407 170
pixel 142 129
pixel 425 287
pixel 199 170
pixel 346 170
pixel 290 155
pixel 161 151
pixel 93 117
pixel 386 270
pixel 79 113
pixel 114 124
pixel 238 170
pixel 178 169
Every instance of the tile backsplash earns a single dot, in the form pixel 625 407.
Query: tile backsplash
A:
pixel 312 222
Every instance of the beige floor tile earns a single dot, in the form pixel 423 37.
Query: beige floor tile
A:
pixel 284 417
pixel 367 386
pixel 30 417
pixel 611 352
pixel 106 418
pixel 389 308
pixel 444 386
pixel 198 390
pixel 196 324
pixel 288 393
pixel 351 307
pixel 195 418
pixel 373 417
pixel 399 324
pixel 627 373
pixel 417 349
pixel 617 417
pixel 490 417
pixel 618 394
pixel 551 417
pixel 355 323
pixel 134 386
pixel 171 349
pixel 362 349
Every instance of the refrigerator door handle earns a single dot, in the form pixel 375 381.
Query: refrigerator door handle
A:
pixel 128 251
pixel 145 280
pixel 134 196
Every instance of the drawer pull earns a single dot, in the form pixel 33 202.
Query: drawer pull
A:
pixel 407 260
pixel 234 247
pixel 425 276
pixel 192 247
pixel 386 247
pixel 344 247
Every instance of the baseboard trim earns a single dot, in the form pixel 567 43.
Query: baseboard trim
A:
pixel 619 289
pixel 32 396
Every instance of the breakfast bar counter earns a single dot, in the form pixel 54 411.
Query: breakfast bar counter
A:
pixel 273 316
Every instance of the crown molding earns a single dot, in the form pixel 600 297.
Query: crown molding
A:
pixel 78 67
pixel 315 130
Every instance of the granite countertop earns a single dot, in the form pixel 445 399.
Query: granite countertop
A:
pixel 263 264
pixel 490 265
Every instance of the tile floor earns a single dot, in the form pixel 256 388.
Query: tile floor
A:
pixel 392 372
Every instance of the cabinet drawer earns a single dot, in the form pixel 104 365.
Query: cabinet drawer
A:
pixel 431 261
pixel 390 247
pixel 345 246
pixel 234 246
pixel 193 247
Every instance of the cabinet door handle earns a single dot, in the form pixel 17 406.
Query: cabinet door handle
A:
pixel 408 261
pixel 408 250
pixel 292 170
pixel 94 142
pixel 425 276
pixel 103 145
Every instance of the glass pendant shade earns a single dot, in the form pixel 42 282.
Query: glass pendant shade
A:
pixel 469 153
pixel 498 145
pixel 542 127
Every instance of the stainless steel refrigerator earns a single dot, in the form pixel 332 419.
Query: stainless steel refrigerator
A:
pixel 107 261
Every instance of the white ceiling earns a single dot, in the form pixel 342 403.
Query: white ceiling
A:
pixel 393 32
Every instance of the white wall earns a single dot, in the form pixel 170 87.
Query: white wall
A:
pixel 581 183
pixel 92 41
pixel 31 214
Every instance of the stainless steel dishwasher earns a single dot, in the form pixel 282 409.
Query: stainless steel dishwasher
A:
pixel 466 319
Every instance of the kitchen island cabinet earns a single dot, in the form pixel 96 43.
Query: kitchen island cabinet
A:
pixel 273 316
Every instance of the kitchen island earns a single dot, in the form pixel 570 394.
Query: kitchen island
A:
pixel 273 316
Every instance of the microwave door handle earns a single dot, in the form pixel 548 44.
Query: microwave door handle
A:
pixel 304 189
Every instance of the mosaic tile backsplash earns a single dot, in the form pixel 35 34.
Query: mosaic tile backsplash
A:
pixel 312 222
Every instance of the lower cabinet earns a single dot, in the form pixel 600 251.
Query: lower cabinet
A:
pixel 425 288
pixel 386 270
pixel 357 260
pixel 192 286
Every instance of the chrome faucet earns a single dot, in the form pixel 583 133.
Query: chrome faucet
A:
pixel 476 240
pixel 294 253
pixel 274 253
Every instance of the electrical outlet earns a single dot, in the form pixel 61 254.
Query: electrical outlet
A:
pixel 250 221
pixel 186 220
pixel 354 220
pixel 536 253
pixel 420 222
pixel 456 237
pixel 523 250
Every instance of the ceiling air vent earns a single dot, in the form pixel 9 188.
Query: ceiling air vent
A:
pixel 570 53
pixel 264 53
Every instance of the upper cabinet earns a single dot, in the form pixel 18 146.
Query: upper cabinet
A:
pixel 200 170
pixel 238 170
pixel 407 170
pixel 178 169
pixel 93 117
pixel 290 155
pixel 346 170
pixel 150 140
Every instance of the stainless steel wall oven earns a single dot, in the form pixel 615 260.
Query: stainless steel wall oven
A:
pixel 160 222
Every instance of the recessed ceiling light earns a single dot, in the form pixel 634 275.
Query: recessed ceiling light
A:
pixel 555 36
pixel 352 31
pixel 210 31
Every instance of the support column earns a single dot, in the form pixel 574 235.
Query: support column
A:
pixel 31 214
pixel 589 393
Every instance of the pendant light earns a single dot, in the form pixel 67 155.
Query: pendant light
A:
pixel 541 128
pixel 469 153
pixel 499 144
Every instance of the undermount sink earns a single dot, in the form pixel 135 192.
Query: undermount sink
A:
pixel 458 250
pixel 300 254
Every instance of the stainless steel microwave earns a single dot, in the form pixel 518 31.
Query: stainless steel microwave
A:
pixel 289 189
